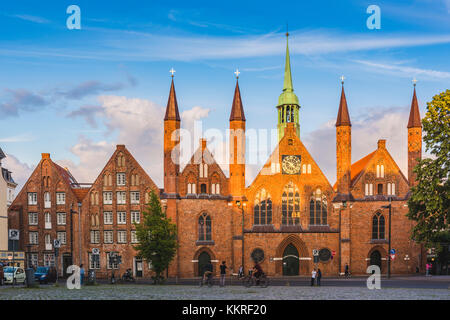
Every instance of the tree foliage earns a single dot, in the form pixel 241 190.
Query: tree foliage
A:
pixel 157 238
pixel 429 203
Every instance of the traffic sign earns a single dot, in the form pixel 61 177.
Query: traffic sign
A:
pixel 392 251
pixel 95 251
pixel 57 243
pixel 13 234
pixel 392 256
pixel 315 252
pixel 333 253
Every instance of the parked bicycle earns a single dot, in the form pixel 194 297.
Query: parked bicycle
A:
pixel 207 279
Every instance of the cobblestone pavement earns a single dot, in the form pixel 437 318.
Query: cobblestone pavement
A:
pixel 173 292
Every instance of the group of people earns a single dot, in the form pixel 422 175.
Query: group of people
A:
pixel 316 276
pixel 257 272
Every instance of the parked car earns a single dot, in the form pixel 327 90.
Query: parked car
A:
pixel 14 275
pixel 45 274
pixel 2 275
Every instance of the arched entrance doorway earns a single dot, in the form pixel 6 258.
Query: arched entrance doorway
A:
pixel 203 259
pixel 375 258
pixel 291 263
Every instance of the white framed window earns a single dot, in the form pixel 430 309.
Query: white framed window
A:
pixel 201 170
pixel 107 217
pixel 33 237
pixel 213 188
pixel 371 189
pixel 393 189
pixel 94 261
pixel 32 218
pixel 135 217
pixel 121 236
pixel 32 198
pixel 34 259
pixel 309 169
pixel 134 238
pixel 48 242
pixel 48 220
pixel 60 198
pixel 278 167
pixel 193 188
pixel 95 236
pixel 49 260
pixel 273 168
pixel 189 188
pixel 47 200
pixel 121 197
pixel 121 217
pixel 304 169
pixel 108 236
pixel 382 171
pixel 107 197
pixel 135 197
pixel 61 236
pixel 121 179
pixel 61 218
pixel 378 170
pixel 366 189
pixel 110 265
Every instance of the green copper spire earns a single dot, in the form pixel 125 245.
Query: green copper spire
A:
pixel 288 96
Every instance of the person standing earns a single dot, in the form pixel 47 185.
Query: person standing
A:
pixel 313 277
pixel 223 272
pixel 427 267
pixel 81 274
pixel 347 273
pixel 319 276
pixel 241 272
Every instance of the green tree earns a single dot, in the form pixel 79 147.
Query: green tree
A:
pixel 157 238
pixel 429 203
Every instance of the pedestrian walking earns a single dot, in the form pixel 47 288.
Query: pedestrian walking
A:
pixel 81 274
pixel 347 273
pixel 427 267
pixel 313 276
pixel 241 272
pixel 223 272
pixel 319 276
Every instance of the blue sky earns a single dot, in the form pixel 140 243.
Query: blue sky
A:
pixel 62 91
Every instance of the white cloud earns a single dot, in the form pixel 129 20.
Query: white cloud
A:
pixel 405 71
pixel 20 171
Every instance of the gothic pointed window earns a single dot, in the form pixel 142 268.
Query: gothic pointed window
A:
pixel 204 227
pixel 378 225
pixel 262 211
pixel 290 205
pixel 318 208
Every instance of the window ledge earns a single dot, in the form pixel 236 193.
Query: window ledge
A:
pixel 204 242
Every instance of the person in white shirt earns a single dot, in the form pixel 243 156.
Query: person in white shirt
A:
pixel 313 277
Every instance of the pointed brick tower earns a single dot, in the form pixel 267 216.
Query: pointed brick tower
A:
pixel 414 138
pixel 343 149
pixel 237 146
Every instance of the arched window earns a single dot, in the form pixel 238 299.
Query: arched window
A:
pixel 309 169
pixel 378 225
pixel 262 211
pixel 189 188
pixel 382 171
pixel 378 170
pixel 304 168
pixel 290 200
pixel 204 227
pixel 318 208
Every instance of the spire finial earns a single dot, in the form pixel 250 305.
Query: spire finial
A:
pixel 172 72
pixel 342 79
pixel 287 30
pixel 237 73
pixel 414 81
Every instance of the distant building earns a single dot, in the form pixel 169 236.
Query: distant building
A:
pixel 7 187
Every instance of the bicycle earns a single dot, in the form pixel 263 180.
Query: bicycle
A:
pixel 251 280
pixel 208 281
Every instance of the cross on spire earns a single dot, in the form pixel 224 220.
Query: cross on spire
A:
pixel 237 73
pixel 342 79
pixel 414 81
pixel 172 71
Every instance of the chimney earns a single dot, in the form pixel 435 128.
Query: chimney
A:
pixel 382 144
pixel 120 146
pixel 203 143
pixel 45 155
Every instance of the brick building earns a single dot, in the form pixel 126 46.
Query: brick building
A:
pixel 290 218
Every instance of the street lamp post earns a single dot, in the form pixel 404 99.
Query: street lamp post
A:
pixel 344 205
pixel 389 206
pixel 241 204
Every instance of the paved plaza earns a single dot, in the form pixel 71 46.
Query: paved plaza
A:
pixel 183 292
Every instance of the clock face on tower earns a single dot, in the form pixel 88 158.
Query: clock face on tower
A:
pixel 291 164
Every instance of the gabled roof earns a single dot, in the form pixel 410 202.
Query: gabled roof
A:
pixel 202 155
pixel 358 167
pixel 66 175
pixel 80 193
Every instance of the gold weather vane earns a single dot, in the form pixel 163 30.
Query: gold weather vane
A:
pixel 237 73
pixel 172 71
